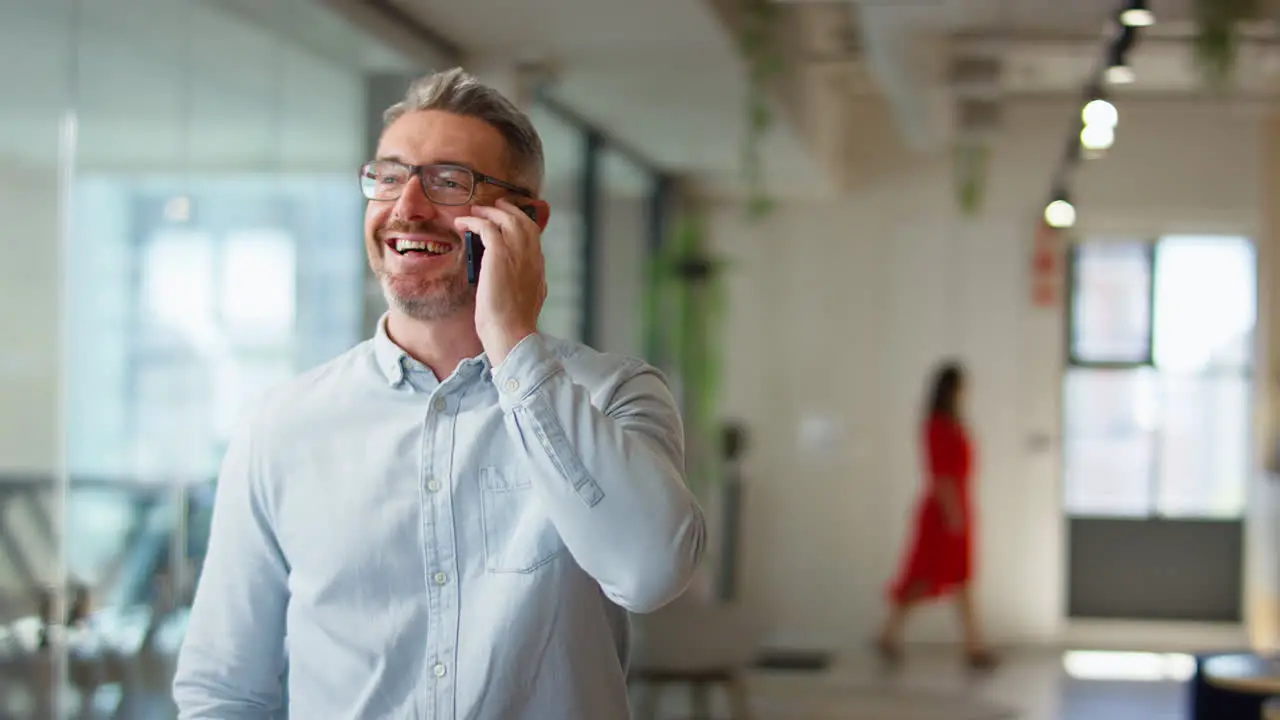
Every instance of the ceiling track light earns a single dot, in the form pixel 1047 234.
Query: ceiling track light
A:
pixel 1120 75
pixel 1137 14
pixel 1095 132
pixel 1097 139
pixel 1118 71
pixel 1100 111
pixel 1060 213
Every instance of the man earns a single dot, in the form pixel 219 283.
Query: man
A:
pixel 452 519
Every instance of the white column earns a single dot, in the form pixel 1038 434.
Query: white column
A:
pixel 1262 537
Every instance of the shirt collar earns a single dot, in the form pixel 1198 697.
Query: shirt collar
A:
pixel 391 358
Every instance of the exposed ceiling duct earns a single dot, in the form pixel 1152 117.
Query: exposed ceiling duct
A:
pixel 901 45
pixel 822 70
pixel 975 78
pixel 840 51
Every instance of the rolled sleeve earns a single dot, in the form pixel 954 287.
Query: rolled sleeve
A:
pixel 529 364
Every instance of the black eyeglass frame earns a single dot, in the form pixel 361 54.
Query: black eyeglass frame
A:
pixel 420 170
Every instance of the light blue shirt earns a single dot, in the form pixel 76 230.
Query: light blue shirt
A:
pixel 466 549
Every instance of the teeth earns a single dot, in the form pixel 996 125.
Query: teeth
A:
pixel 430 246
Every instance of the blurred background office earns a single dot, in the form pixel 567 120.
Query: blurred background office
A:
pixel 796 209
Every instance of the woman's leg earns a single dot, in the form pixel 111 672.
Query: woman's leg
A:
pixel 890 640
pixel 974 644
pixel 973 641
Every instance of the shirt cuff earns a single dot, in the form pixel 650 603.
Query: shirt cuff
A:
pixel 525 368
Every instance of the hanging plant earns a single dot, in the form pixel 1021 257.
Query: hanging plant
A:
pixel 1217 41
pixel 970 167
pixel 683 313
pixel 763 65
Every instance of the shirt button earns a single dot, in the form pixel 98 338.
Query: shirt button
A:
pixel 512 385
pixel 441 404
pixel 441 578
pixel 433 485
pixel 439 669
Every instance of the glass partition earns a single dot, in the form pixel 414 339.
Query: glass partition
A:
pixel 37 66
pixel 197 241
pixel 625 195
pixel 563 240
pixel 181 231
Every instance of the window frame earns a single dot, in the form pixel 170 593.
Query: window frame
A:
pixel 1074 362
pixel 1073 260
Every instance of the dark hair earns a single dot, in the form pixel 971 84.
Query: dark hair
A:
pixel 944 398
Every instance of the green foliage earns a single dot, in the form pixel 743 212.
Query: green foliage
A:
pixel 1217 40
pixel 684 310
pixel 763 65
pixel 970 167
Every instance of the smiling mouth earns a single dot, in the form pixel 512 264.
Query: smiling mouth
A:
pixel 410 246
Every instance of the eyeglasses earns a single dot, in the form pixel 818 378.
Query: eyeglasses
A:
pixel 442 184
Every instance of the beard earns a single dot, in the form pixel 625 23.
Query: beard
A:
pixel 424 298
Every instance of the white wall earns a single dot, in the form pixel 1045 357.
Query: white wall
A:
pixel 841 308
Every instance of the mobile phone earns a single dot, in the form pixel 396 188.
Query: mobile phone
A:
pixel 475 248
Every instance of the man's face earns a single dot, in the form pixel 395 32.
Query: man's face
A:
pixel 422 285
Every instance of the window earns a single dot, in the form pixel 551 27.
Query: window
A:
pixel 191 316
pixel 1157 391
pixel 1111 313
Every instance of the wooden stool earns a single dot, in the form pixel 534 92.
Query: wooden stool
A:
pixel 702 646
pixel 700 682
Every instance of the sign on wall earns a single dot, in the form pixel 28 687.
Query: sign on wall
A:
pixel 1047 257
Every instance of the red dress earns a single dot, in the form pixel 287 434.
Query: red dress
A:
pixel 940 559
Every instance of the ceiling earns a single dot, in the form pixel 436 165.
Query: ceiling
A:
pixel 904 55
pixel 664 75
pixel 262 84
pixel 661 76
pixel 235 85
pixel 1050 47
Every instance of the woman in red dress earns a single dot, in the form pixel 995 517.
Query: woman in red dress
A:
pixel 940 560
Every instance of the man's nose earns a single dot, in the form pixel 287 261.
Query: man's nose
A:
pixel 414 205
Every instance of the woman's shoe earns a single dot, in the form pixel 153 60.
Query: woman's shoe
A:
pixel 890 653
pixel 981 660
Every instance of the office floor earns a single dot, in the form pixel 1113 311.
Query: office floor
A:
pixel 1030 685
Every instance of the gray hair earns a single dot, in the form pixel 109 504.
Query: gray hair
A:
pixel 461 93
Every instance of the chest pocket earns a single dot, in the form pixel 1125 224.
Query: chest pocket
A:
pixel 518 535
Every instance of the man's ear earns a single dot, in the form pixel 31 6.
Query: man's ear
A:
pixel 542 212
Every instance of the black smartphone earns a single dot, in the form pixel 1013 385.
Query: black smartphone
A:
pixel 475 248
